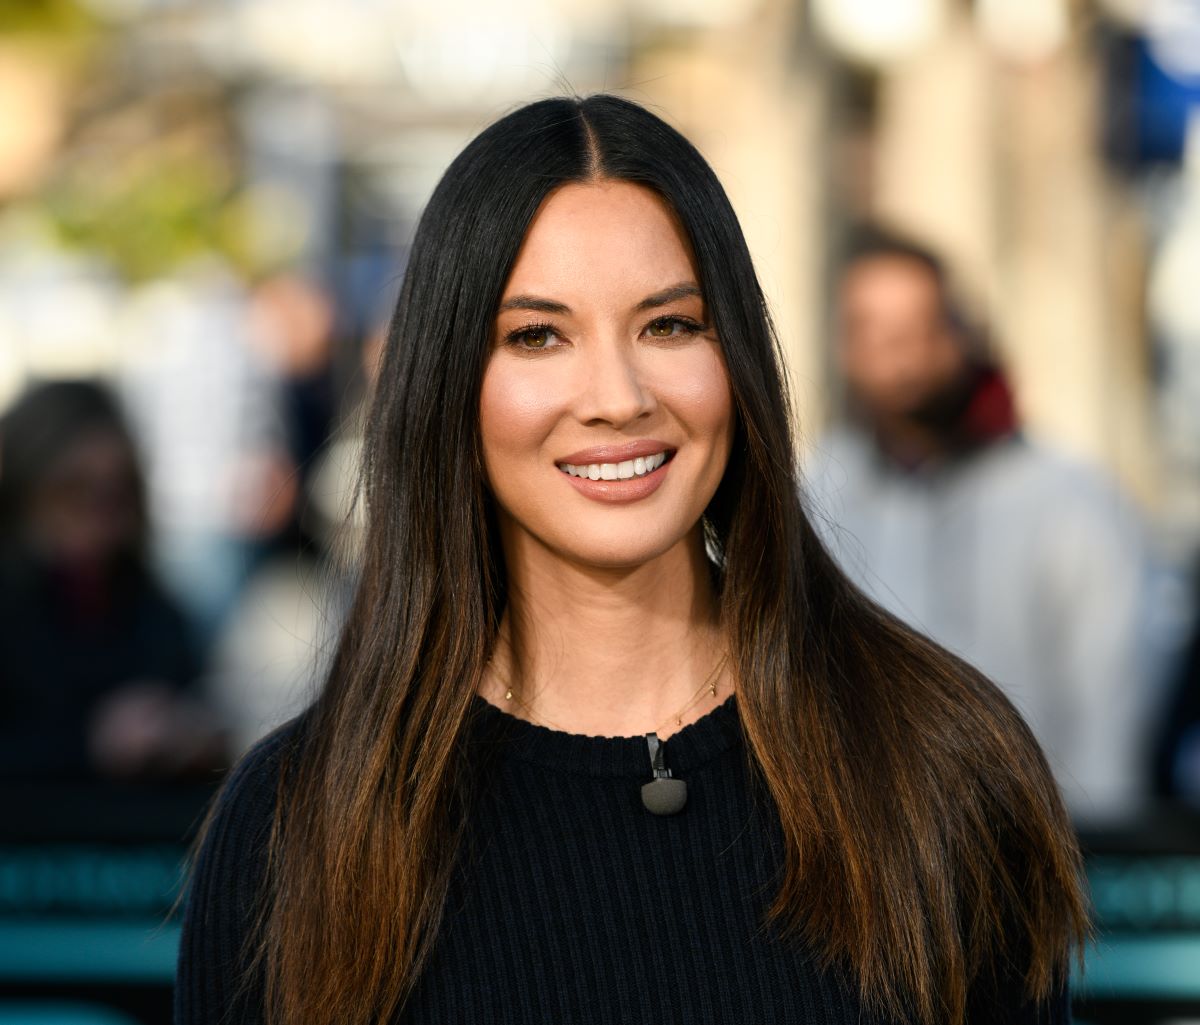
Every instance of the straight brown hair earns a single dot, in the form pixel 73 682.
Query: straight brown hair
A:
pixel 904 781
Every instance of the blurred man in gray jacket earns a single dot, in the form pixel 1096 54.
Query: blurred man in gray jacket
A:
pixel 1027 564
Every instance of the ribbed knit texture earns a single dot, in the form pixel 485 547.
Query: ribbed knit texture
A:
pixel 571 902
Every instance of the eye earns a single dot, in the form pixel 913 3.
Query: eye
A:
pixel 672 327
pixel 532 337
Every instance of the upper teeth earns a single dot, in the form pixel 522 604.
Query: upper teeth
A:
pixel 625 470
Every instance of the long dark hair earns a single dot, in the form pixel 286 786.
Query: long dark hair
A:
pixel 903 780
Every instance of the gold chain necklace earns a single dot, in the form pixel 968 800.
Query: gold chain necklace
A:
pixel 709 684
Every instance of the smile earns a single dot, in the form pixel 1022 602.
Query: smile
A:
pixel 627 469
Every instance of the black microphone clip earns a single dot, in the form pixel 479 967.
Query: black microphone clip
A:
pixel 662 795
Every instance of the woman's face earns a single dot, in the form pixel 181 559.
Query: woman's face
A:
pixel 84 508
pixel 606 412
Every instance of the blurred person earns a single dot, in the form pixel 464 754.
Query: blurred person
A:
pixel 1023 562
pixel 271 650
pixel 1177 743
pixel 95 659
pixel 209 406
pixel 586 573
pixel 293 324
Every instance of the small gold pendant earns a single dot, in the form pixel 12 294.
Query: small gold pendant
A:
pixel 508 695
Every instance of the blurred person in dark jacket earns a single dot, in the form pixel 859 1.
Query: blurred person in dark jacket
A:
pixel 1024 562
pixel 95 659
pixel 1177 746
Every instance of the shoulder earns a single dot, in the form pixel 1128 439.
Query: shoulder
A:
pixel 837 466
pixel 228 890
pixel 990 799
pixel 1050 471
pixel 1075 508
pixel 238 827
pixel 842 449
pixel 251 790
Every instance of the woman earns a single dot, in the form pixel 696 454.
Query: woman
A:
pixel 586 570
pixel 96 662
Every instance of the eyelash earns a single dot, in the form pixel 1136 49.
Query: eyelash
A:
pixel 689 328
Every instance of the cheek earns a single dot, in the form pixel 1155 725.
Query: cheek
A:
pixel 516 412
pixel 702 399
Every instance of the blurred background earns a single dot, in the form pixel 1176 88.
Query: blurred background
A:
pixel 978 226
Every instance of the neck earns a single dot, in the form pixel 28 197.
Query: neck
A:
pixel 968 412
pixel 607 652
pixel 908 443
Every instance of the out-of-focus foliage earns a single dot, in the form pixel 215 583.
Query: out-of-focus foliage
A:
pixel 150 181
pixel 146 180
pixel 45 17
pixel 156 200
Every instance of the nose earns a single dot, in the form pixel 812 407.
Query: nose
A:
pixel 614 390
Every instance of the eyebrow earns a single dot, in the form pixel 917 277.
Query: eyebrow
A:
pixel 532 302
pixel 536 303
pixel 669 295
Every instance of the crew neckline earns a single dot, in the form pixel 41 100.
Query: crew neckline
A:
pixel 694 744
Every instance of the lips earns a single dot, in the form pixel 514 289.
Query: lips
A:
pixel 626 462
pixel 627 469
pixel 616 453
pixel 618 473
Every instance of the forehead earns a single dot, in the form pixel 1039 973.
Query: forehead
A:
pixel 606 238
pixel 894 281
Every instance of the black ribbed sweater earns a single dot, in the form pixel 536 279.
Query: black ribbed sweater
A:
pixel 571 903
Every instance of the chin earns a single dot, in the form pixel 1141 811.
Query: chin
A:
pixel 616 550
